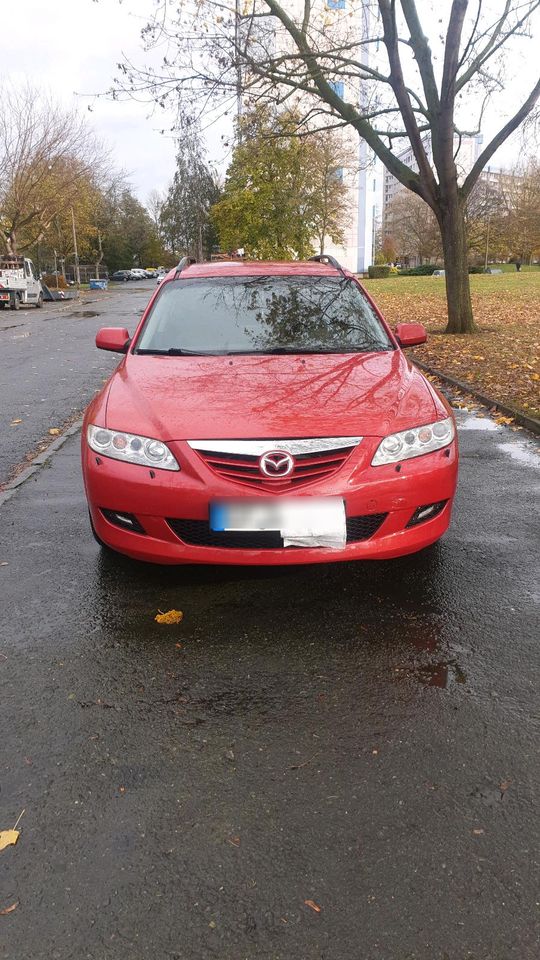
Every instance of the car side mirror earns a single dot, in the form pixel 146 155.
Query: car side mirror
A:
pixel 410 334
pixel 116 339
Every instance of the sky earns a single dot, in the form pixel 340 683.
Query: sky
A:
pixel 71 48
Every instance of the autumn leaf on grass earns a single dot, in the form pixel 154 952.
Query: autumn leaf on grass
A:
pixel 313 906
pixel 172 616
pixel 8 838
pixel 10 909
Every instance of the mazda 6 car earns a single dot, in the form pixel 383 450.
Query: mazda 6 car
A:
pixel 265 413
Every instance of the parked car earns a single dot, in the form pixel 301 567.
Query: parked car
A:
pixel 137 273
pixel 121 275
pixel 160 277
pixel 265 413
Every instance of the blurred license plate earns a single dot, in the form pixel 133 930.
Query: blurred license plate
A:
pixel 301 514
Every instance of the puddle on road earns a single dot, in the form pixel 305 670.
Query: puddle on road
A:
pixel 470 422
pixel 522 452
pixel 83 313
pixel 442 674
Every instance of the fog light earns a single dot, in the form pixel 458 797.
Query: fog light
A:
pixel 126 521
pixel 427 512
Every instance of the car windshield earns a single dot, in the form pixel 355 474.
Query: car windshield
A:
pixel 262 314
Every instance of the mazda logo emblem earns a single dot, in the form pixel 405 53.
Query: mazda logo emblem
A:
pixel 276 464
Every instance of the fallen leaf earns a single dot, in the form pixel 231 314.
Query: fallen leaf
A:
pixel 4 563
pixel 502 421
pixel 313 906
pixel 8 838
pixel 172 616
pixel 9 909
pixel 13 422
pixel 234 841
pixel 504 784
pixel 478 832
pixel 54 431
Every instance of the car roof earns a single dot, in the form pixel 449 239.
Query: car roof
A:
pixel 258 268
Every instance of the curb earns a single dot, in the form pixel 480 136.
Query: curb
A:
pixel 38 462
pixel 530 423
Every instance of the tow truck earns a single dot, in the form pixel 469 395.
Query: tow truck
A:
pixel 19 282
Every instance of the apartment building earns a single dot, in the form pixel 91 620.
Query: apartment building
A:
pixel 468 151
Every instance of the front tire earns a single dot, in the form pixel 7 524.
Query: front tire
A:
pixel 15 302
pixel 97 538
pixel 39 302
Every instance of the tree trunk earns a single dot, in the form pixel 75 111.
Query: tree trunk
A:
pixel 456 267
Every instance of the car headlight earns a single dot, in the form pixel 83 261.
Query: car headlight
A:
pixel 131 448
pixel 414 443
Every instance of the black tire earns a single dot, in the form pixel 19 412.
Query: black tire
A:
pixel 2 306
pixel 39 301
pixel 97 538
pixel 15 302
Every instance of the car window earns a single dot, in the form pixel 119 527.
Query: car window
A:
pixel 263 315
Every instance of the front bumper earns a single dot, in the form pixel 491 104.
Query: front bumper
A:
pixel 183 496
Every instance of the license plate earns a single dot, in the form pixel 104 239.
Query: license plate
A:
pixel 301 521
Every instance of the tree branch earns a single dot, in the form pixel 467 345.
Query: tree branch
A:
pixel 499 139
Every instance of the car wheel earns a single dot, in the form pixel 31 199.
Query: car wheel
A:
pixel 97 538
pixel 39 302
pixel 15 302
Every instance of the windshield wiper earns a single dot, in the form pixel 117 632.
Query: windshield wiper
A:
pixel 176 352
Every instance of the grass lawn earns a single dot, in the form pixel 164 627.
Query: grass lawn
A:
pixel 502 360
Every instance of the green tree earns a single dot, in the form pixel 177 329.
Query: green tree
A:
pixel 129 235
pixel 283 192
pixel 184 216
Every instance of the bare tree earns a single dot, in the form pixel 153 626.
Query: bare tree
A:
pixel 413 228
pixel 321 58
pixel 45 154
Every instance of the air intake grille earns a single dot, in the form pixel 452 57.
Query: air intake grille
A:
pixel 198 533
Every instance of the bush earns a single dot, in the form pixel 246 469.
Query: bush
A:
pixel 424 270
pixel 51 281
pixel 476 270
pixel 379 272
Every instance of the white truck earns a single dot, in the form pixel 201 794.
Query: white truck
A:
pixel 19 282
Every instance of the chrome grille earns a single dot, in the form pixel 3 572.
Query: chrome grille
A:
pixel 238 460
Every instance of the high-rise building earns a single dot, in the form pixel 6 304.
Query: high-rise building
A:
pixel 467 151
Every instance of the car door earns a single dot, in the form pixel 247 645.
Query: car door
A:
pixel 33 285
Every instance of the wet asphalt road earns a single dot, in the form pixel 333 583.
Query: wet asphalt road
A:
pixel 363 736
pixel 50 367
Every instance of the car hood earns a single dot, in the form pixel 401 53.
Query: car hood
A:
pixel 203 398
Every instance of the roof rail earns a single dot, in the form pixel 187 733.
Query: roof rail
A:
pixel 331 261
pixel 184 262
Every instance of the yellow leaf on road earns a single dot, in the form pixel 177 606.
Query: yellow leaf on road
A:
pixel 10 909
pixel 13 422
pixel 54 431
pixel 172 616
pixel 8 838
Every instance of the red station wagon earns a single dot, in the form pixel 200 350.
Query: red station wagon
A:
pixel 265 413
